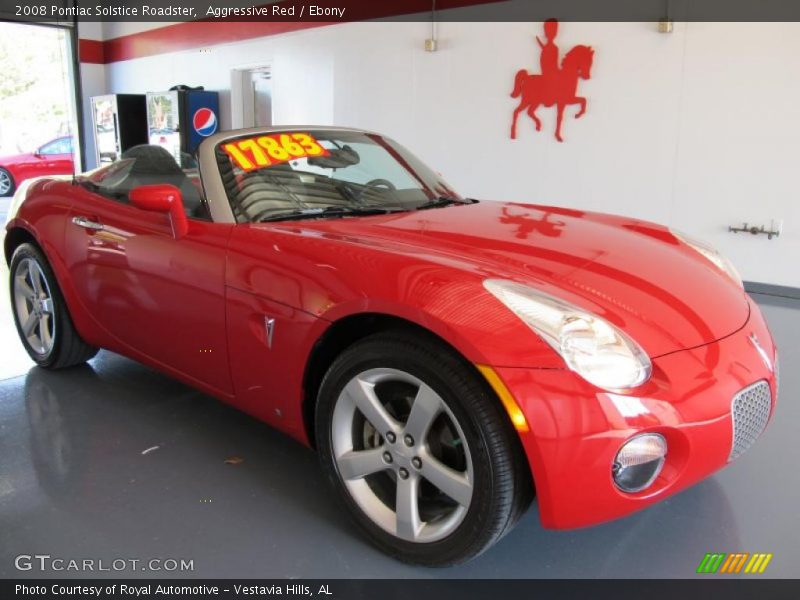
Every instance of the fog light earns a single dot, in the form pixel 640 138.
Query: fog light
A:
pixel 639 462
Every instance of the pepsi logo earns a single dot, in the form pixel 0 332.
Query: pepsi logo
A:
pixel 204 121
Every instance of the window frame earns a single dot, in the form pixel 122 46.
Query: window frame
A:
pixel 65 139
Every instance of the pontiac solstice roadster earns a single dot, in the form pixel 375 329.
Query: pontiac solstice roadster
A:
pixel 449 359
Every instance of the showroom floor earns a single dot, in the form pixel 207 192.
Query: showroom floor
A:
pixel 113 460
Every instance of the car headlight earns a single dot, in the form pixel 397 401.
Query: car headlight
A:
pixel 593 348
pixel 711 255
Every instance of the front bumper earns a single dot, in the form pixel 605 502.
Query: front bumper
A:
pixel 577 429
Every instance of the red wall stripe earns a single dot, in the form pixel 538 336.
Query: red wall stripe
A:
pixel 195 34
pixel 91 51
pixel 203 33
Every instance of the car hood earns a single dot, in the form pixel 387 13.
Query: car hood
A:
pixel 633 273
pixel 16 159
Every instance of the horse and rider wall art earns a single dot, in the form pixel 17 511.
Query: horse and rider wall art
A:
pixel 556 85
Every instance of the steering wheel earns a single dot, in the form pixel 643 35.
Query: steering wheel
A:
pixel 358 194
pixel 380 183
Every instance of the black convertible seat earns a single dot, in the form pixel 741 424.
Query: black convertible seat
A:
pixel 269 190
pixel 279 188
pixel 154 165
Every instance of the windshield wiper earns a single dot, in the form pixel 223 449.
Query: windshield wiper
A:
pixel 443 201
pixel 328 212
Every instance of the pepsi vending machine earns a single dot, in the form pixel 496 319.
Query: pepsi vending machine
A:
pixel 179 120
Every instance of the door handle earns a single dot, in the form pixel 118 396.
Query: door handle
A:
pixel 87 223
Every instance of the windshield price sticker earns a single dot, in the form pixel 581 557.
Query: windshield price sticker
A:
pixel 267 150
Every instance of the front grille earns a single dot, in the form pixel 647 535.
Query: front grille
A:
pixel 750 412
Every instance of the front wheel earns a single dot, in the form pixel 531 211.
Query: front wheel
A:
pixel 40 313
pixel 6 183
pixel 421 452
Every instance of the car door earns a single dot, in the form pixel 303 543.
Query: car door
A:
pixel 158 298
pixel 63 161
pixel 54 158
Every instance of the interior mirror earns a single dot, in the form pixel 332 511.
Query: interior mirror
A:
pixel 164 199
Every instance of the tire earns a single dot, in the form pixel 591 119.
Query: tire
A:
pixel 39 308
pixel 7 185
pixel 400 380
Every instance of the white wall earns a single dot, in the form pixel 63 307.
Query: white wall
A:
pixel 695 129
pixel 93 83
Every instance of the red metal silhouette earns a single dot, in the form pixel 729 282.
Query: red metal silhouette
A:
pixel 554 85
pixel 526 224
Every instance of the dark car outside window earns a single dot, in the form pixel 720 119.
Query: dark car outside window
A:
pixel 59 146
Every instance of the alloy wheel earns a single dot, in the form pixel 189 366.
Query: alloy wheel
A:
pixel 5 183
pixel 402 455
pixel 33 303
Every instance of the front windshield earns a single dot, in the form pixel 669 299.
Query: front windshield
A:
pixel 316 173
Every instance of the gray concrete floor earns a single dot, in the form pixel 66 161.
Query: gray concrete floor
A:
pixel 74 483
pixel 5 202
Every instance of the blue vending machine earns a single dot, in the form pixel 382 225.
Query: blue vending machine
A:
pixel 180 119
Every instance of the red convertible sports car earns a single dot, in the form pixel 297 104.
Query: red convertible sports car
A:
pixel 53 158
pixel 448 358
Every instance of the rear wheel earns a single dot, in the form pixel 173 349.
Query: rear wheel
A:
pixel 6 183
pixel 40 313
pixel 422 454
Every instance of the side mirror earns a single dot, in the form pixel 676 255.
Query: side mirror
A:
pixel 38 153
pixel 164 199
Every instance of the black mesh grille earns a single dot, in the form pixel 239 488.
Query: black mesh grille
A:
pixel 750 412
